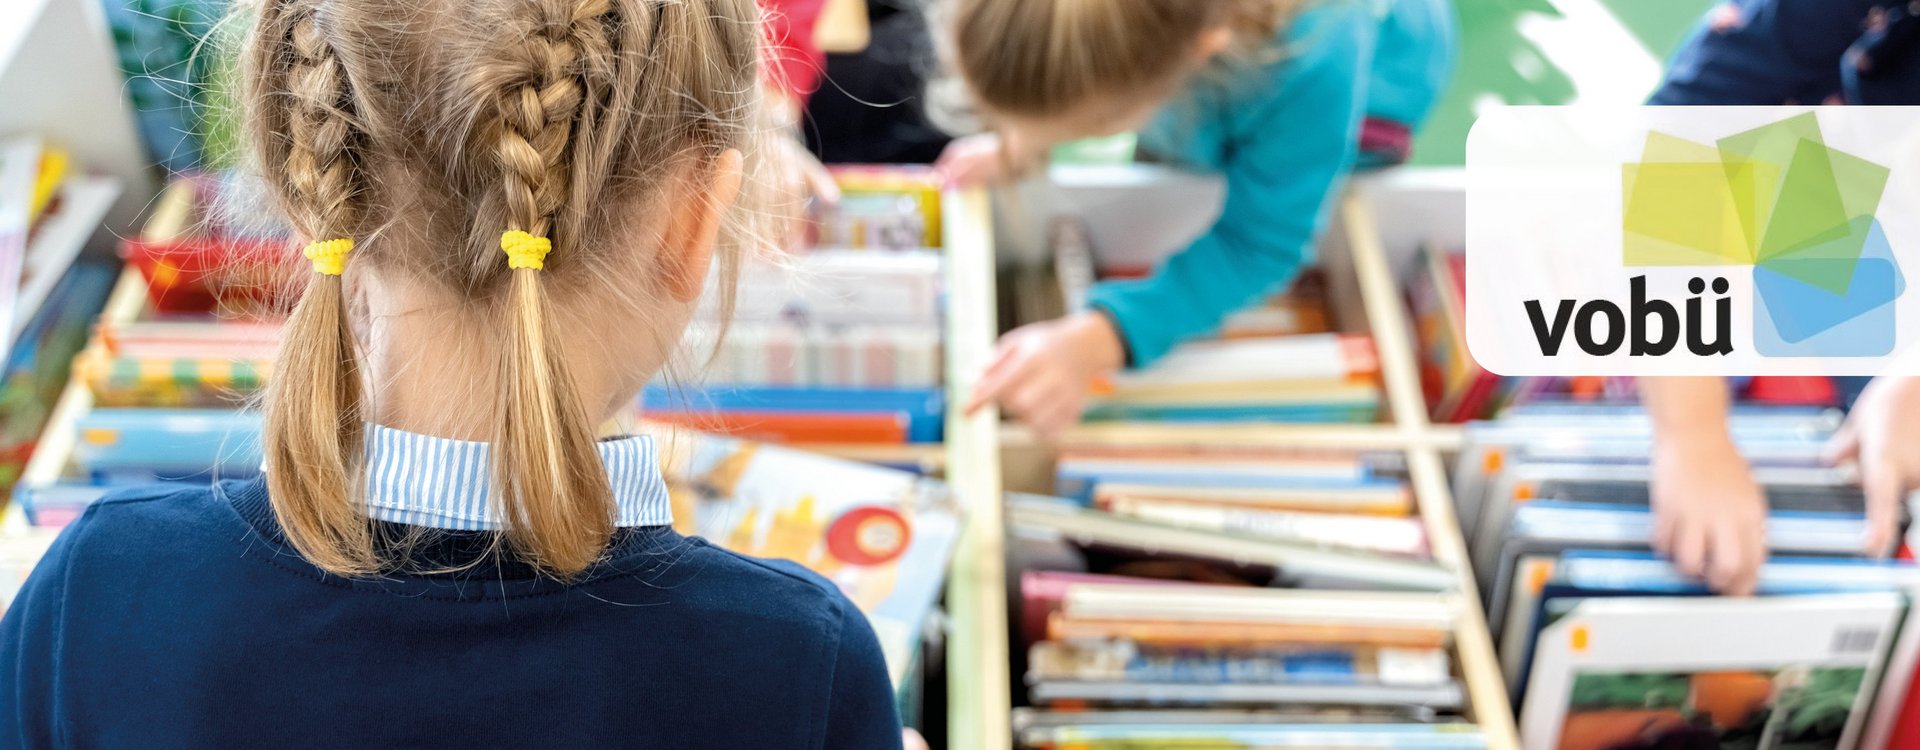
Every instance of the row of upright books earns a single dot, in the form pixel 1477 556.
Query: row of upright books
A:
pixel 837 342
pixel 1605 645
pixel 1195 592
pixel 1207 595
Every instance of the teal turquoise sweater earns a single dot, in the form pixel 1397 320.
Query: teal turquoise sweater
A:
pixel 1284 134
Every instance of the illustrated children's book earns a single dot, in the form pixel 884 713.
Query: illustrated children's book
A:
pixel 1671 672
pixel 882 535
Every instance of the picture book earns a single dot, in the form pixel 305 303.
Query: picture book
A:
pixel 882 207
pixel 38 366
pixel 883 536
pixel 1697 671
pixel 1450 736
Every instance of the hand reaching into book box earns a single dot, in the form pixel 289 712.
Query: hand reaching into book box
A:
pixel 1709 514
pixel 1882 435
pixel 1041 373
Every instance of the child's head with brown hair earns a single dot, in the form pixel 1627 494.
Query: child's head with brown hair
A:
pixel 1056 70
pixel 444 141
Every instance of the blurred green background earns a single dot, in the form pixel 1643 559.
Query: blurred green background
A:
pixel 1552 52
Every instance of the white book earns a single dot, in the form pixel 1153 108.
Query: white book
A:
pixel 1062 520
pixel 84 202
pixel 1120 601
pixel 19 170
pixel 1686 665
pixel 1445 696
pixel 842 287
pixel 1383 534
pixel 1311 356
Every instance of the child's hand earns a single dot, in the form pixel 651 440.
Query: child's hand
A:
pixel 984 158
pixel 1709 515
pixel 1882 434
pixel 1041 372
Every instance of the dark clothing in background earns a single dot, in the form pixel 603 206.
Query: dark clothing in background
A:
pixel 871 109
pixel 1766 52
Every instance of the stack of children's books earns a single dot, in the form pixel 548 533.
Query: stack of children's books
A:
pixel 1280 361
pixel 1307 378
pixel 1232 596
pixel 50 211
pixel 1283 360
pixel 165 388
pixel 837 343
pixel 1605 645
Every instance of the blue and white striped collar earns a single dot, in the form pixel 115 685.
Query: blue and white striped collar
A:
pixel 442 483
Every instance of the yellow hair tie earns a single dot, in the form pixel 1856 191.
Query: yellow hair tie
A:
pixel 525 250
pixel 329 256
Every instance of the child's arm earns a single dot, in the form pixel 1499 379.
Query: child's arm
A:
pixel 1287 162
pixel 1709 515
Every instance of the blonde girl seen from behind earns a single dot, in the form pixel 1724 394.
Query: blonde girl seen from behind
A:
pixel 609 129
pixel 510 209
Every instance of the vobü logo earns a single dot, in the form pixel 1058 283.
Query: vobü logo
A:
pixel 1772 224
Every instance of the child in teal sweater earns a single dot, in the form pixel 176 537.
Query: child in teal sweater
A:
pixel 1283 99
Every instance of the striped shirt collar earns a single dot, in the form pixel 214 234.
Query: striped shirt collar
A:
pixel 442 483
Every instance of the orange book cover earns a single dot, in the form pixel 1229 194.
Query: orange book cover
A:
pixel 792 427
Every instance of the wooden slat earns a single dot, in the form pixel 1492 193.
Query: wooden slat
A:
pixel 1400 374
pixel 172 212
pixel 980 701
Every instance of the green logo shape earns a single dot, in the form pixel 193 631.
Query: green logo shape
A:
pixel 1778 199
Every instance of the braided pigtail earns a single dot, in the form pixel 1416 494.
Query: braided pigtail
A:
pixel 548 480
pixel 308 133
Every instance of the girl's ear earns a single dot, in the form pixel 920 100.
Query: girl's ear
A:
pixel 694 224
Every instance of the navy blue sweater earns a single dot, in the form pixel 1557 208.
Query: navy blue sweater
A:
pixel 173 618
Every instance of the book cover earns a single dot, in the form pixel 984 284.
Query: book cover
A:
pixel 1611 672
pixel 883 536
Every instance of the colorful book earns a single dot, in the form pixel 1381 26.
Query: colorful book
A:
pixel 1690 672
pixel 883 536
pixel 923 408
pixel 797 427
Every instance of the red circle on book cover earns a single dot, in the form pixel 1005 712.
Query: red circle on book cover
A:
pixel 869 535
